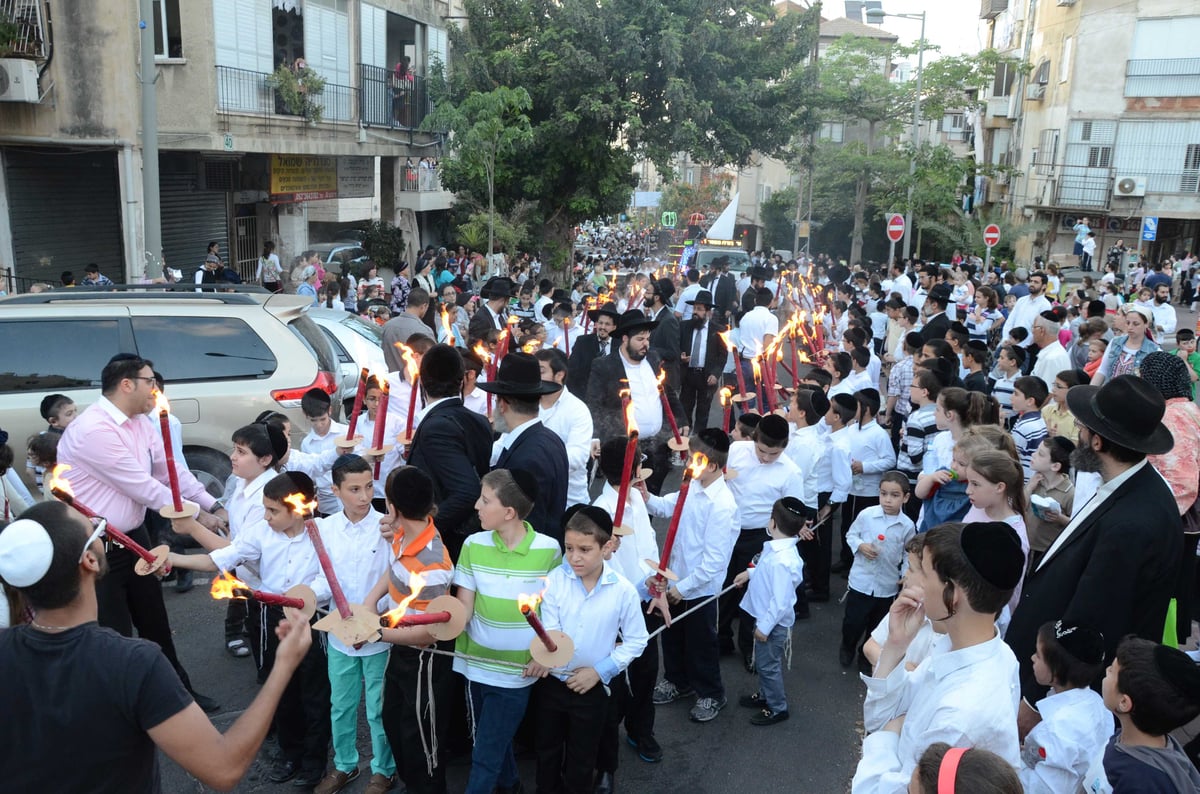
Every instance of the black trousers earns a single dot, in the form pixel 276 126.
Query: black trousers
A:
pixel 1184 588
pixel 912 508
pixel 569 727
pixel 696 396
pixel 816 552
pixel 658 458
pixel 691 659
pixel 749 542
pixel 302 716
pixel 126 601
pixel 632 701
pixel 863 613
pixel 403 721
pixel 850 510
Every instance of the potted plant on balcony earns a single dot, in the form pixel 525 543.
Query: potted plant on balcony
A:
pixel 297 86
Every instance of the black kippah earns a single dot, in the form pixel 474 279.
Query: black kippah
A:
pixel 1084 643
pixel 596 515
pixel 410 491
pixel 715 438
pixel 993 549
pixel 1179 670
pixel 526 482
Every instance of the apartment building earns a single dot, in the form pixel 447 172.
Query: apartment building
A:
pixel 238 163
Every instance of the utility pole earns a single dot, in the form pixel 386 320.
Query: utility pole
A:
pixel 151 210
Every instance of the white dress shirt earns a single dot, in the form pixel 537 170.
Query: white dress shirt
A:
pixel 754 327
pixel 1164 316
pixel 759 485
pixel 283 562
pixel 1051 360
pixel 643 390
pixel 1074 730
pixel 681 303
pixel 697 347
pixel 903 285
pixel 476 401
pixel 872 446
pixel 771 594
pixel 244 507
pixel 879 577
pixel 327 503
pixel 360 558
pixel 594 619
pixel 571 421
pixel 806 448
pixel 1023 314
pixel 708 528
pixel 506 439
pixel 835 464
pixel 966 698
pixel 392 430
pixel 1103 493
pixel 629 559
pixel 554 336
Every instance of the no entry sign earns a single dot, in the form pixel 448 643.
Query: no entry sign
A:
pixel 991 235
pixel 895 228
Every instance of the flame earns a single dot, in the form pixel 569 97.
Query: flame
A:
pixel 416 583
pixel 662 379
pixel 483 353
pixel 725 339
pixel 534 345
pixel 757 369
pixel 60 483
pixel 446 327
pixel 803 357
pixel 228 586
pixel 698 465
pixel 528 603
pixel 412 367
pixel 299 506
pixel 631 426
pixel 726 395
pixel 513 320
pixel 160 402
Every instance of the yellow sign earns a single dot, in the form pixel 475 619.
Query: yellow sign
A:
pixel 301 177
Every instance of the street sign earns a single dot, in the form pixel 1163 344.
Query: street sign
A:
pixel 991 235
pixel 895 228
pixel 1150 228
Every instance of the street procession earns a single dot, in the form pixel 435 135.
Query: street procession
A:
pixel 578 398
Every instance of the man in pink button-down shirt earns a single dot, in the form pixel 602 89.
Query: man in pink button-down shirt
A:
pixel 118 468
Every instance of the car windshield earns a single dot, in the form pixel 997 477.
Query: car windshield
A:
pixel 739 260
pixel 369 331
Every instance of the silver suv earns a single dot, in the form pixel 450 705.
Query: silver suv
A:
pixel 225 356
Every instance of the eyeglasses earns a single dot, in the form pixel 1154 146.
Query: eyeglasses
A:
pixel 101 526
pixel 148 378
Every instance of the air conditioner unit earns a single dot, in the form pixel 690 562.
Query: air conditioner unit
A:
pixel 1129 186
pixel 1035 91
pixel 18 80
pixel 1064 3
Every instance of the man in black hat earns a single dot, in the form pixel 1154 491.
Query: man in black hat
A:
pixel 937 323
pixel 723 286
pixel 591 346
pixel 495 294
pixel 664 339
pixel 1114 565
pixel 702 361
pixel 529 445
pixel 758 280
pixel 451 444
pixel 634 366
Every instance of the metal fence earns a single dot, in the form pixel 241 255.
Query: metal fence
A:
pixel 387 101
pixel 1162 77
pixel 246 91
pixel 420 176
pixel 30 38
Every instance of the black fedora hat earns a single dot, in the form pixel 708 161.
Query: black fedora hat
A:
pixel 607 310
pixel 703 298
pixel 498 287
pixel 633 321
pixel 520 375
pixel 1127 411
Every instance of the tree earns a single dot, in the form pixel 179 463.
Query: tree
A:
pixel 484 127
pixel 707 197
pixel 384 243
pixel 964 232
pixel 779 219
pixel 614 81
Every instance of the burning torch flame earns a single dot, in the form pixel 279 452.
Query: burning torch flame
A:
pixel 662 378
pixel 726 395
pixel 60 483
pixel 446 327
pixel 411 367
pixel 513 320
pixel 416 583
pixel 698 465
pixel 533 345
pixel 630 419
pixel 299 506
pixel 528 603
pixel 483 353
pixel 757 369
pixel 228 586
pixel 725 339
pixel 160 402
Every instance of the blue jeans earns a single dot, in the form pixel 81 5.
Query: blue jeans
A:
pixel 497 711
pixel 768 661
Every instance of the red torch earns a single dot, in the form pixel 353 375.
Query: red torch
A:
pixel 742 395
pixel 630 458
pixel 695 469
pixel 351 440
pixel 300 597
pixel 177 508
pixel 549 648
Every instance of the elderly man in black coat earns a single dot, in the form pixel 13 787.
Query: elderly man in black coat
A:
pixel 590 347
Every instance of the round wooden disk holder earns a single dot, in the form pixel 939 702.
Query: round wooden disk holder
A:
pixel 557 658
pixel 742 398
pixel 305 594
pixel 169 512
pixel 143 568
pixel 679 446
pixel 664 572
pixel 452 627
pixel 381 451
pixel 347 443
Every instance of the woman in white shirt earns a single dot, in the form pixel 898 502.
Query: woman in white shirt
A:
pixel 269 269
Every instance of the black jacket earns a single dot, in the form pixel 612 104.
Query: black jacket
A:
pixel 724 292
pixel 585 351
pixel 453 445
pixel 539 451
pixel 715 352
pixel 604 400
pixel 936 328
pixel 1115 573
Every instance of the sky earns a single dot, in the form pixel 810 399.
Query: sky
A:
pixel 953 25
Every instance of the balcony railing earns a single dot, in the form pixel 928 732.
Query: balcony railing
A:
pixel 1161 77
pixel 421 176
pixel 246 91
pixel 387 101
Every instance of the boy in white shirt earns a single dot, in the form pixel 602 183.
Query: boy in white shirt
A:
pixel 877 538
pixel 770 599
pixel 835 470
pixel 871 454
pixel 806 448
pixel 321 437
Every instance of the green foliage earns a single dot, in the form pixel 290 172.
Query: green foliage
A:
pixel 297 90
pixel 965 232
pixel 384 243
pixel 707 197
pixel 10 30
pixel 778 215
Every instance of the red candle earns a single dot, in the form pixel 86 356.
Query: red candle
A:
pixel 699 463
pixel 270 599
pixel 587 320
pixel 114 534
pixel 422 619
pixel 536 624
pixel 412 407
pixel 758 383
pixel 630 456
pixel 666 404
pixel 172 474
pixel 727 402
pixel 303 508
pixel 737 361
pixel 819 321
pixel 567 336
pixel 795 360
pixel 363 378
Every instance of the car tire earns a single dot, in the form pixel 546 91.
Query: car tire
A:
pixel 210 467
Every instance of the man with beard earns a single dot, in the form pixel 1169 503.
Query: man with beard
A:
pixel 703 360
pixel 1164 313
pixel 632 365
pixel 590 347
pixel 1114 565
pixel 1028 307
pixel 664 339
pixel 722 284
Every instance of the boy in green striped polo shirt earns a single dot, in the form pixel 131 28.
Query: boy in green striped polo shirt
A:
pixel 496 565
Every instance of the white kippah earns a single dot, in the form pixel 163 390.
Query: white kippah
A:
pixel 26 552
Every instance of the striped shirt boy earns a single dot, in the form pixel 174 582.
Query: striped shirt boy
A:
pixel 425 557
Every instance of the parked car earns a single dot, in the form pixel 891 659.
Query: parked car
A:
pixel 356 344
pixel 335 256
pixel 225 356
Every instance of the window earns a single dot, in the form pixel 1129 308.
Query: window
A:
pixel 168 41
pixel 42 355
pixel 1006 72
pixel 1064 63
pixel 203 348
pixel 1190 181
pixel 1047 152
pixel 833 131
pixel 690 177
pixel 1099 156
pixel 1042 77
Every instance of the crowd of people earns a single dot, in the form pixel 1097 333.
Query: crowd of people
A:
pixel 1003 468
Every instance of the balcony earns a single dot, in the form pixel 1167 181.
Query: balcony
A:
pixel 419 187
pixel 392 103
pixel 1162 77
pixel 241 91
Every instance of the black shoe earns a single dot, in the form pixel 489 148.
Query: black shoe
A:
pixel 309 777
pixel 845 656
pixel 755 701
pixel 748 662
pixel 803 614
pixel 818 598
pixel 727 649
pixel 647 749
pixel 515 788
pixel 283 771
pixel 184 583
pixel 768 717
pixel 209 705
pixel 604 783
pixel 839 567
